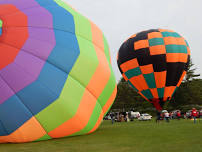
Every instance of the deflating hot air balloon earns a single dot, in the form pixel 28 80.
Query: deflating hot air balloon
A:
pixel 154 63
pixel 56 79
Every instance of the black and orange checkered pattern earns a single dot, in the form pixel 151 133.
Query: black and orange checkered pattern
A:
pixel 154 62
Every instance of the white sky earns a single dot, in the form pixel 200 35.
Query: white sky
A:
pixel 119 19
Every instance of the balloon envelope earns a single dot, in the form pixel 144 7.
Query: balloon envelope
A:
pixel 56 78
pixel 154 62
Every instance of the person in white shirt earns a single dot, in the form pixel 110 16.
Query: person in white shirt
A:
pixel 166 114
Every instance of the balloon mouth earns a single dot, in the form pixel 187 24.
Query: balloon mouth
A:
pixel 1 24
pixel 159 103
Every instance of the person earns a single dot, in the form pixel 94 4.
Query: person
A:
pixel 112 117
pixel 200 115
pixel 122 117
pixel 178 115
pixel 194 114
pixel 166 114
pixel 127 118
pixel 185 116
pixel 118 117
pixel 158 116
pixel 171 115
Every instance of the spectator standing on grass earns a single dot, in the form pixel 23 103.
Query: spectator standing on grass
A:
pixel 122 118
pixel 118 117
pixel 166 115
pixel 112 117
pixel 185 116
pixel 200 114
pixel 171 115
pixel 127 118
pixel 178 115
pixel 158 116
pixel 194 114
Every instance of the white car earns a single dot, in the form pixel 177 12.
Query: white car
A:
pixel 145 116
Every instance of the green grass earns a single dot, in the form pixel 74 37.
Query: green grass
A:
pixel 176 136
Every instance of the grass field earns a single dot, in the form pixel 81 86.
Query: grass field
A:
pixel 176 136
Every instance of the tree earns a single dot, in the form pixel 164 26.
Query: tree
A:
pixel 190 91
pixel 190 72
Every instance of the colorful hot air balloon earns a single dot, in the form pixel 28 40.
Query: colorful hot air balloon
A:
pixel 154 62
pixel 56 79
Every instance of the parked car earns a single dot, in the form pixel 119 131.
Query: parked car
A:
pixel 145 116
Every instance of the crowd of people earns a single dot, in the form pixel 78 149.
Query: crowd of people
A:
pixel 167 115
pixel 119 117
pixel 193 114
pixel 161 115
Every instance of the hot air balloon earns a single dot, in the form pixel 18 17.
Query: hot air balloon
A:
pixel 56 78
pixel 154 62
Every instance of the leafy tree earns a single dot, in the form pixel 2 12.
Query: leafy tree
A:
pixel 190 91
pixel 190 72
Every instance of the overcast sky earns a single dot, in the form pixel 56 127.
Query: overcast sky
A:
pixel 119 19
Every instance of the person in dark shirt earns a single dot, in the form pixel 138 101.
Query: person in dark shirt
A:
pixel 158 116
pixel 112 115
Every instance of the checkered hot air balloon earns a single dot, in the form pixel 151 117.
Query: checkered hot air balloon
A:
pixel 154 63
pixel 56 79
